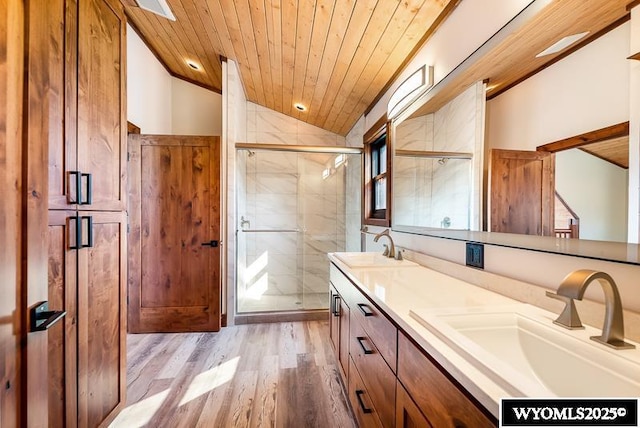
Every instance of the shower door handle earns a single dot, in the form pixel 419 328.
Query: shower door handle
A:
pixel 211 243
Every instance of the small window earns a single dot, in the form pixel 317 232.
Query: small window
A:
pixel 377 176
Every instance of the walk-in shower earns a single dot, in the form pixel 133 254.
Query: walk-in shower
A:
pixel 294 204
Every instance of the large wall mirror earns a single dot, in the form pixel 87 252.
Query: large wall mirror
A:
pixel 464 168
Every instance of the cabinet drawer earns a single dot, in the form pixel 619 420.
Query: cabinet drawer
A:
pixel 407 413
pixel 438 398
pixel 376 374
pixel 361 401
pixel 381 331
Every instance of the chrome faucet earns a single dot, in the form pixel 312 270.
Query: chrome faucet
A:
pixel 389 251
pixel 573 287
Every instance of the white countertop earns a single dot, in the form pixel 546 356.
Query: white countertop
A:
pixel 397 291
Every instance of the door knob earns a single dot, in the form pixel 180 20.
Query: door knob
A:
pixel 211 243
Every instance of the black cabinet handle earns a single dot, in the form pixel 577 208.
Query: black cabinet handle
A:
pixel 211 243
pixel 365 309
pixel 359 394
pixel 42 318
pixel 89 197
pixel 336 305
pixel 364 349
pixel 78 185
pixel 76 242
pixel 89 220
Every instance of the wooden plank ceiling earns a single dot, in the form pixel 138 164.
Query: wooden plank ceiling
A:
pixel 333 56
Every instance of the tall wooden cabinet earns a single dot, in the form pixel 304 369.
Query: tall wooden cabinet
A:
pixel 80 70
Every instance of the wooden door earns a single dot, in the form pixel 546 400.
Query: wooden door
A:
pixel 521 192
pixel 62 347
pixel 101 122
pixel 11 78
pixel 101 317
pixel 174 194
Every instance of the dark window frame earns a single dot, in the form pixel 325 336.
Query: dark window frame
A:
pixel 377 136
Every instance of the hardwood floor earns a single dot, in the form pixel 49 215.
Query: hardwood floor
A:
pixel 254 375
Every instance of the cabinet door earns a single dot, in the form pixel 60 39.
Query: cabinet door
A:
pixel 343 355
pixel 101 123
pixel 441 401
pixel 334 326
pixel 407 413
pixel 101 317
pixel 62 336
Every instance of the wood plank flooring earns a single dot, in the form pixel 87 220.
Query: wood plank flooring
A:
pixel 254 375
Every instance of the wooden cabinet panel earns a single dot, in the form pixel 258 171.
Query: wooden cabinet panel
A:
pixel 376 374
pixel 62 336
pixel 407 413
pixel 442 402
pixel 382 332
pixel 360 399
pixel 101 122
pixel 11 84
pixel 101 317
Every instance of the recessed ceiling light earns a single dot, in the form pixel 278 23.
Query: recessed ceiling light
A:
pixel 300 107
pixel 561 44
pixel 194 65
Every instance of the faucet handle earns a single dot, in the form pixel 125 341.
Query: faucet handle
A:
pixel 386 250
pixel 569 317
pixel 399 254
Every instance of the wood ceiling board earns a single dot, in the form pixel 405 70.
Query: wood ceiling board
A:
pixel 289 27
pixel 376 29
pixel 426 17
pixel 353 34
pixel 340 20
pixel 514 56
pixel 274 37
pixel 392 39
pixel 260 35
pixel 304 29
pixel 246 27
pixel 615 151
pixel 321 25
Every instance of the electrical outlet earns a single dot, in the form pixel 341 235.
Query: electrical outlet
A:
pixel 475 255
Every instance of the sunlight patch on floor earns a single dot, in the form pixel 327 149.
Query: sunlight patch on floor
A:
pixel 140 413
pixel 210 380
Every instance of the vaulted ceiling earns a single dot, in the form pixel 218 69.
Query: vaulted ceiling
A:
pixel 336 56
pixel 332 56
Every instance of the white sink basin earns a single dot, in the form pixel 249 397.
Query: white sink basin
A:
pixel 371 260
pixel 523 351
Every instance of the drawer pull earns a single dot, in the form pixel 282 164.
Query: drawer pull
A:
pixel 359 394
pixel 364 349
pixel 336 305
pixel 365 309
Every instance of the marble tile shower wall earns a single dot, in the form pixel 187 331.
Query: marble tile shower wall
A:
pixel 268 126
pixel 428 192
pixel 287 191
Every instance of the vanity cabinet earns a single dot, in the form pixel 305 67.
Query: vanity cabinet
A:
pixel 438 398
pixel 391 381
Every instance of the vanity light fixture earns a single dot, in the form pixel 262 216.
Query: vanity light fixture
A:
pixel 562 44
pixel 413 86
pixel 194 65
pixel 159 7
pixel 300 107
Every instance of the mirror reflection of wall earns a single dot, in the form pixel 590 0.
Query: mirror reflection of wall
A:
pixel 586 91
pixel 438 165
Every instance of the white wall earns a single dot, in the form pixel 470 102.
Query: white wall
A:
pixel 587 90
pixel 596 190
pixel 148 88
pixel 194 110
pixel 161 104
